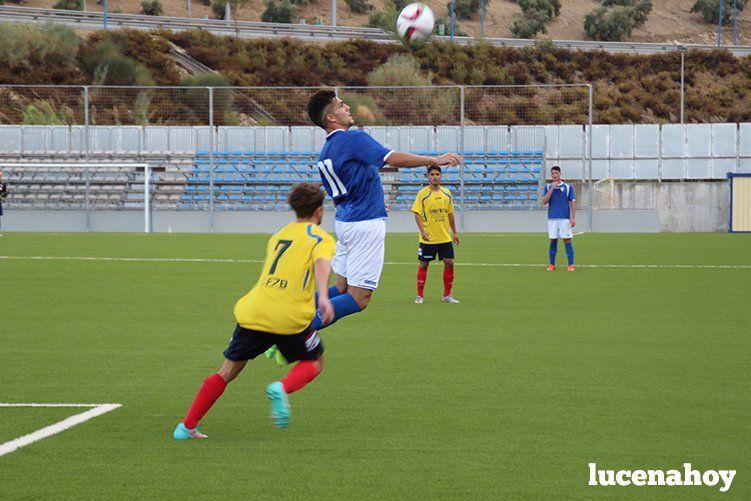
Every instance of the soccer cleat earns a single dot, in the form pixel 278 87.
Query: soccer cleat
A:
pixel 280 412
pixel 450 299
pixel 551 267
pixel 418 300
pixel 183 433
pixel 571 267
pixel 274 353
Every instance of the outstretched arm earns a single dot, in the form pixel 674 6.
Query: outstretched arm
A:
pixel 401 159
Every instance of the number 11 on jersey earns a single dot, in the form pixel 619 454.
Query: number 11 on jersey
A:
pixel 337 186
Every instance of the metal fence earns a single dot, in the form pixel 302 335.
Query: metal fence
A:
pixel 491 126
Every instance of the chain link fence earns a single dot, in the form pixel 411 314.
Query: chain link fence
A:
pixel 238 148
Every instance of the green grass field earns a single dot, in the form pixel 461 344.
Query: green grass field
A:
pixel 509 394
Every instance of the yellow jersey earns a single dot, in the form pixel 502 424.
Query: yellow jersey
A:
pixel 434 208
pixel 282 301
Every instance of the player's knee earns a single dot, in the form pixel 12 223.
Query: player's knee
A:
pixel 448 263
pixel 319 364
pixel 424 264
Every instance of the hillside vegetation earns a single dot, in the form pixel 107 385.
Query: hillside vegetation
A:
pixel 670 20
pixel 628 88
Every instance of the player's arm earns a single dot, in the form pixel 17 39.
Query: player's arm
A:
pixel 572 203
pixel 548 194
pixel 406 160
pixel 421 227
pixel 454 233
pixel 323 271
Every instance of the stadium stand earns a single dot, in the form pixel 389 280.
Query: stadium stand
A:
pixel 259 180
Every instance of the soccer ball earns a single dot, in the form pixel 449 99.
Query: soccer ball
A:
pixel 415 23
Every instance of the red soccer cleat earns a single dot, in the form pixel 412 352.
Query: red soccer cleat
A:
pixel 571 267
pixel 551 267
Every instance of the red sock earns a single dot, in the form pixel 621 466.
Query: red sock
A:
pixel 211 389
pixel 422 276
pixel 448 280
pixel 300 375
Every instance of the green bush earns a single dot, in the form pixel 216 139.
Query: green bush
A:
pixel 68 5
pixel 710 9
pixel 359 6
pixel 43 113
pixel 640 9
pixel 613 24
pixel 198 100
pixel 284 12
pixel 549 9
pixel 385 19
pixel 38 46
pixel 400 70
pixel 218 7
pixel 151 8
pixel 529 25
pixel 465 9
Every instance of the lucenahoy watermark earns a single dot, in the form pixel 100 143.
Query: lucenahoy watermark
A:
pixel 640 478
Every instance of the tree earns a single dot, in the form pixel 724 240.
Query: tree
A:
pixel 709 10
pixel 613 24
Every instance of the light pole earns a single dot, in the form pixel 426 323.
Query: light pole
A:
pixel 451 21
pixel 721 12
pixel 104 13
pixel 333 13
pixel 735 15
pixel 482 18
pixel 187 7
pixel 683 79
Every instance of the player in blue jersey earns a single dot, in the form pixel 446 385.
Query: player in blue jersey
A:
pixel 349 164
pixel 561 216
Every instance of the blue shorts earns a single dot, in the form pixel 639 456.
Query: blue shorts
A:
pixel 247 344
pixel 428 252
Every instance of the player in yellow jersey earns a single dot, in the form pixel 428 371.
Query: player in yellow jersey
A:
pixel 434 215
pixel 278 311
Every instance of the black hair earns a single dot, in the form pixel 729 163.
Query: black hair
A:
pixel 317 105
pixel 555 167
pixel 434 167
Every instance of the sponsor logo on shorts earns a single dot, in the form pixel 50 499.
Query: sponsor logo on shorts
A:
pixel 370 282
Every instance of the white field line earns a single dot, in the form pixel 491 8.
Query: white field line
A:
pixel 391 263
pixel 94 411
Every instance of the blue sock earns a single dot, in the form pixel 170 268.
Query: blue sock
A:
pixel 570 252
pixel 344 304
pixel 553 250
pixel 333 292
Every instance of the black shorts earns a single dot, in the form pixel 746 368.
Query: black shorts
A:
pixel 247 344
pixel 428 252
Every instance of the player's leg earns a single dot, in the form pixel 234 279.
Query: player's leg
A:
pixel 425 254
pixel 361 265
pixel 446 254
pixel 553 233
pixel 243 346
pixel 566 233
pixel 569 253
pixel 306 347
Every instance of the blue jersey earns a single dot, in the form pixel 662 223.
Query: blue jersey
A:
pixel 349 165
pixel 558 205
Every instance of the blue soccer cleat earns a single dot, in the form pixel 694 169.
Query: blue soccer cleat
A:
pixel 280 412
pixel 183 433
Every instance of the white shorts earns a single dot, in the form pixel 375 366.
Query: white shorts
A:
pixel 559 228
pixel 360 251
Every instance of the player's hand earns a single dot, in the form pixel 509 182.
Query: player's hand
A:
pixel 448 158
pixel 556 183
pixel 456 239
pixel 425 236
pixel 327 310
pixel 573 222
